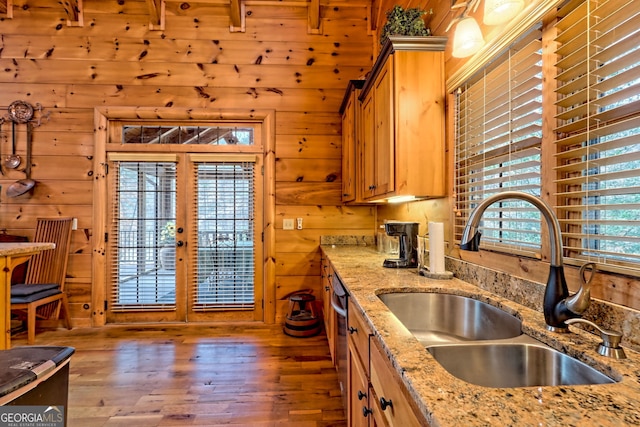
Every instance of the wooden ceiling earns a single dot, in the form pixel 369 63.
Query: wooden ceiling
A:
pixel 73 10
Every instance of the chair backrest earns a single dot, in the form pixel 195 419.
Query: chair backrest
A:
pixel 50 266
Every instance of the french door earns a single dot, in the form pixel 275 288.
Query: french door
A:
pixel 184 237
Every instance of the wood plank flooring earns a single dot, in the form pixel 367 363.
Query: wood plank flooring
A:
pixel 197 375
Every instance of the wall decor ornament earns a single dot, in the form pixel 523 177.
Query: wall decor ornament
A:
pixel 22 113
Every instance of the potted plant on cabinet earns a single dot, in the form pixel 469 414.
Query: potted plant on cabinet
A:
pixel 167 252
pixel 404 22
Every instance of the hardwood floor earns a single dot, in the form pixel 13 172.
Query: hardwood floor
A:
pixel 195 375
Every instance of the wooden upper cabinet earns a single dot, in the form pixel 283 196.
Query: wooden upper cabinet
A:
pixel 350 111
pixel 402 112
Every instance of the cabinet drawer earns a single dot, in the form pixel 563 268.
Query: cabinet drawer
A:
pixel 358 333
pixel 387 385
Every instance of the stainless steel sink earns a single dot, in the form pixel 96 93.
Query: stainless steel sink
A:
pixel 444 318
pixel 514 365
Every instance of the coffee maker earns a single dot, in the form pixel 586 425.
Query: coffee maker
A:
pixel 407 233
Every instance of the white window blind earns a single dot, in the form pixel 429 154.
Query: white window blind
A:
pixel 142 221
pixel 498 138
pixel 598 136
pixel 224 210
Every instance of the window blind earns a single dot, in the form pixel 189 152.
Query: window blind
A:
pixel 143 217
pixel 497 146
pixel 598 132
pixel 224 210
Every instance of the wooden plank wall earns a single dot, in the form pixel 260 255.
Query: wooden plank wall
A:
pixel 111 58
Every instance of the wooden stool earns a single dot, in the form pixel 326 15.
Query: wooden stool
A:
pixel 301 320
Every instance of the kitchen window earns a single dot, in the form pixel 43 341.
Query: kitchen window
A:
pixel 499 132
pixel 595 187
pixel 598 136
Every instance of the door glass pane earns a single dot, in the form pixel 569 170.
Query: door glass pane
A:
pixel 144 220
pixel 225 250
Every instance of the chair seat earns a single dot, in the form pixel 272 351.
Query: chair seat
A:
pixel 23 290
pixel 23 294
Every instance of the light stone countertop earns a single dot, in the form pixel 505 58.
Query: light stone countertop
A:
pixel 22 248
pixel 447 401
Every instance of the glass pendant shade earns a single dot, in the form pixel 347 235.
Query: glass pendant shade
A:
pixel 498 12
pixel 467 38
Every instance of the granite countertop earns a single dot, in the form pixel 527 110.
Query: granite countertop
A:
pixel 447 401
pixel 22 248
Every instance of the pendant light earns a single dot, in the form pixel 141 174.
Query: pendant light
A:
pixel 498 12
pixel 467 38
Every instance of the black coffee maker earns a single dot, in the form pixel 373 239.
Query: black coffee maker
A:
pixel 407 233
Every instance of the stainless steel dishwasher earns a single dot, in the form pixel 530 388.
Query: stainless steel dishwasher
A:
pixel 339 304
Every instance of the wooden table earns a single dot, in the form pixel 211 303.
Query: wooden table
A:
pixel 12 255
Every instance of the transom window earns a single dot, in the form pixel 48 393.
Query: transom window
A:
pixel 185 135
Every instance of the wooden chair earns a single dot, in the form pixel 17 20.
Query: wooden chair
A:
pixel 42 296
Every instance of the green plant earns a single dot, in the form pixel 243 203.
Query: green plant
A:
pixel 168 233
pixel 404 22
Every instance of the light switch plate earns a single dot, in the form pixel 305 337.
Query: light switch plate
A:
pixel 299 221
pixel 287 224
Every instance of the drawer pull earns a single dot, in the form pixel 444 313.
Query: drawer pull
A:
pixel 384 403
pixel 352 330
pixel 366 411
pixel 361 395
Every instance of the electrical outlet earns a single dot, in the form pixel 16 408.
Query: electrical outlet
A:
pixel 287 224
pixel 299 220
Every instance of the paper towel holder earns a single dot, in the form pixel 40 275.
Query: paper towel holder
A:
pixel 423 265
pixel 423 270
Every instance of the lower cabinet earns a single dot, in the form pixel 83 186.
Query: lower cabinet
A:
pixel 358 391
pixel 376 395
pixel 390 398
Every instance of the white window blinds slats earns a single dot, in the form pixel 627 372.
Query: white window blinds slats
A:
pixel 498 137
pixel 144 206
pixel 224 209
pixel 598 139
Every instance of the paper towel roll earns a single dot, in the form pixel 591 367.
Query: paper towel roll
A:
pixel 436 247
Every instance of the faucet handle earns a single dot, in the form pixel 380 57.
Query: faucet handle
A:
pixel 580 301
pixel 610 346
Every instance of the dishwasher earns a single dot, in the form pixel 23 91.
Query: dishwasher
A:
pixel 339 305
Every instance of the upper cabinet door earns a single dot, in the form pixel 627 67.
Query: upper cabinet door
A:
pixel 402 119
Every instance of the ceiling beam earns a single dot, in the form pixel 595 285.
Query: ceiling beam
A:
pixel 376 6
pixel 6 8
pixel 156 14
pixel 237 16
pixel 74 11
pixel 235 13
pixel 314 16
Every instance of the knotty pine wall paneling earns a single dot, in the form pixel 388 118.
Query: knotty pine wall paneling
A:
pixel 114 59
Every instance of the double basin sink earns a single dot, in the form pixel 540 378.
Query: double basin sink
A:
pixel 484 345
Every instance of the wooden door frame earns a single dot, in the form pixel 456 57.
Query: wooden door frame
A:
pixel 102 116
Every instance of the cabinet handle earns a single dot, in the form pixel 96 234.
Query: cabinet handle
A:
pixel 366 411
pixel 361 395
pixel 384 403
pixel 352 330
pixel 326 288
pixel 345 194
